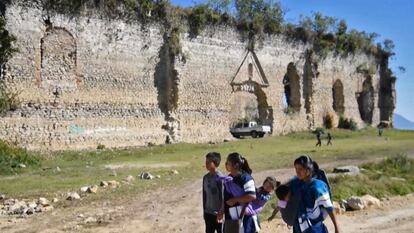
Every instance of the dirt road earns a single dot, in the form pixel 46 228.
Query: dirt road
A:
pixel 179 210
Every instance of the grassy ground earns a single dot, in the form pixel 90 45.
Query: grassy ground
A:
pixel 78 169
pixel 393 176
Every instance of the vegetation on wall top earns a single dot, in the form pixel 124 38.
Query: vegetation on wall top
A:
pixel 254 18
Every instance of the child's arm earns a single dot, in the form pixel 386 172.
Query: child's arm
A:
pixel 243 199
pixel 275 210
pixel 333 218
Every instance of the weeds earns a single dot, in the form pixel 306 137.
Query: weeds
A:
pixel 392 176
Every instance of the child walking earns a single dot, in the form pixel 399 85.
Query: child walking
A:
pixel 263 195
pixel 212 195
pixel 283 194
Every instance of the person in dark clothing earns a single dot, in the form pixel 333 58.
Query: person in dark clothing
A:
pixel 318 137
pixel 329 139
pixel 212 193
pixel 321 175
pixel 380 131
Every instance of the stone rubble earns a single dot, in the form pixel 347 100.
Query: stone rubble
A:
pixel 146 176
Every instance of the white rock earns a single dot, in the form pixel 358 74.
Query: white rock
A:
pixel 43 201
pixel 355 203
pixel 146 176
pixel 2 197
pixel 21 165
pixel 129 179
pixel 32 204
pixel 73 196
pixel 349 170
pixel 371 201
pixel 17 208
pixel 47 208
pixel 58 169
pixel 10 201
pixel 104 184
pixel 92 189
pixel 29 211
pixel 90 220
pixel 175 172
pixel 84 189
pixel 54 200
pixel 113 183
pixel 338 208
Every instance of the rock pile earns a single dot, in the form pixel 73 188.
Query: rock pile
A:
pixel 23 207
pixel 360 203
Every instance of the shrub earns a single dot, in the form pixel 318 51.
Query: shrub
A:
pixel 6 43
pixel 174 43
pixel 347 123
pixel 100 146
pixel 201 16
pixel 9 101
pixel 377 179
pixel 11 156
pixel 331 120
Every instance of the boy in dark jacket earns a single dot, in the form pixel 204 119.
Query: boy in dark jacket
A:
pixel 212 193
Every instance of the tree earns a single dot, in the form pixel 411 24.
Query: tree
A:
pixel 341 28
pixel 402 69
pixel 322 24
pixel 389 47
pixel 220 6
pixel 6 43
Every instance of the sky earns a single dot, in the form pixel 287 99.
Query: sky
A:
pixel 391 19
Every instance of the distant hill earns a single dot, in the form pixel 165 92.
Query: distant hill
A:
pixel 401 122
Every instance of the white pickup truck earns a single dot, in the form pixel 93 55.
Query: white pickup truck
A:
pixel 250 129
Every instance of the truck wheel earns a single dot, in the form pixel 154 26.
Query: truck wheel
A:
pixel 254 134
pixel 235 135
pixel 261 135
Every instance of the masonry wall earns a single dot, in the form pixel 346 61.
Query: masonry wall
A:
pixel 87 81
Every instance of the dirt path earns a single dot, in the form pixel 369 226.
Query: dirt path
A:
pixel 179 210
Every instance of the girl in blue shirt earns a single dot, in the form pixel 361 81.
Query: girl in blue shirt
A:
pixel 314 203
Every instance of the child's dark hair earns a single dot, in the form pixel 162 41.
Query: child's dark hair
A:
pixel 305 161
pixel 215 157
pixel 282 191
pixel 239 162
pixel 272 181
pixel 315 166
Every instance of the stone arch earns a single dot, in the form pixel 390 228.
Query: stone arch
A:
pixel 338 97
pixel 292 88
pixel 58 59
pixel 250 100
pixel 366 101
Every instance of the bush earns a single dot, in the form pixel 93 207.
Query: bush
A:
pixel 377 179
pixel 6 43
pixel 347 123
pixel 11 156
pixel 331 120
pixel 9 101
pixel 201 16
pixel 100 146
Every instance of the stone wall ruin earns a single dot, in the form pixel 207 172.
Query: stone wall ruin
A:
pixel 88 80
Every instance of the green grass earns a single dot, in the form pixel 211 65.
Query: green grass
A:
pixel 392 176
pixel 11 156
pixel 84 168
